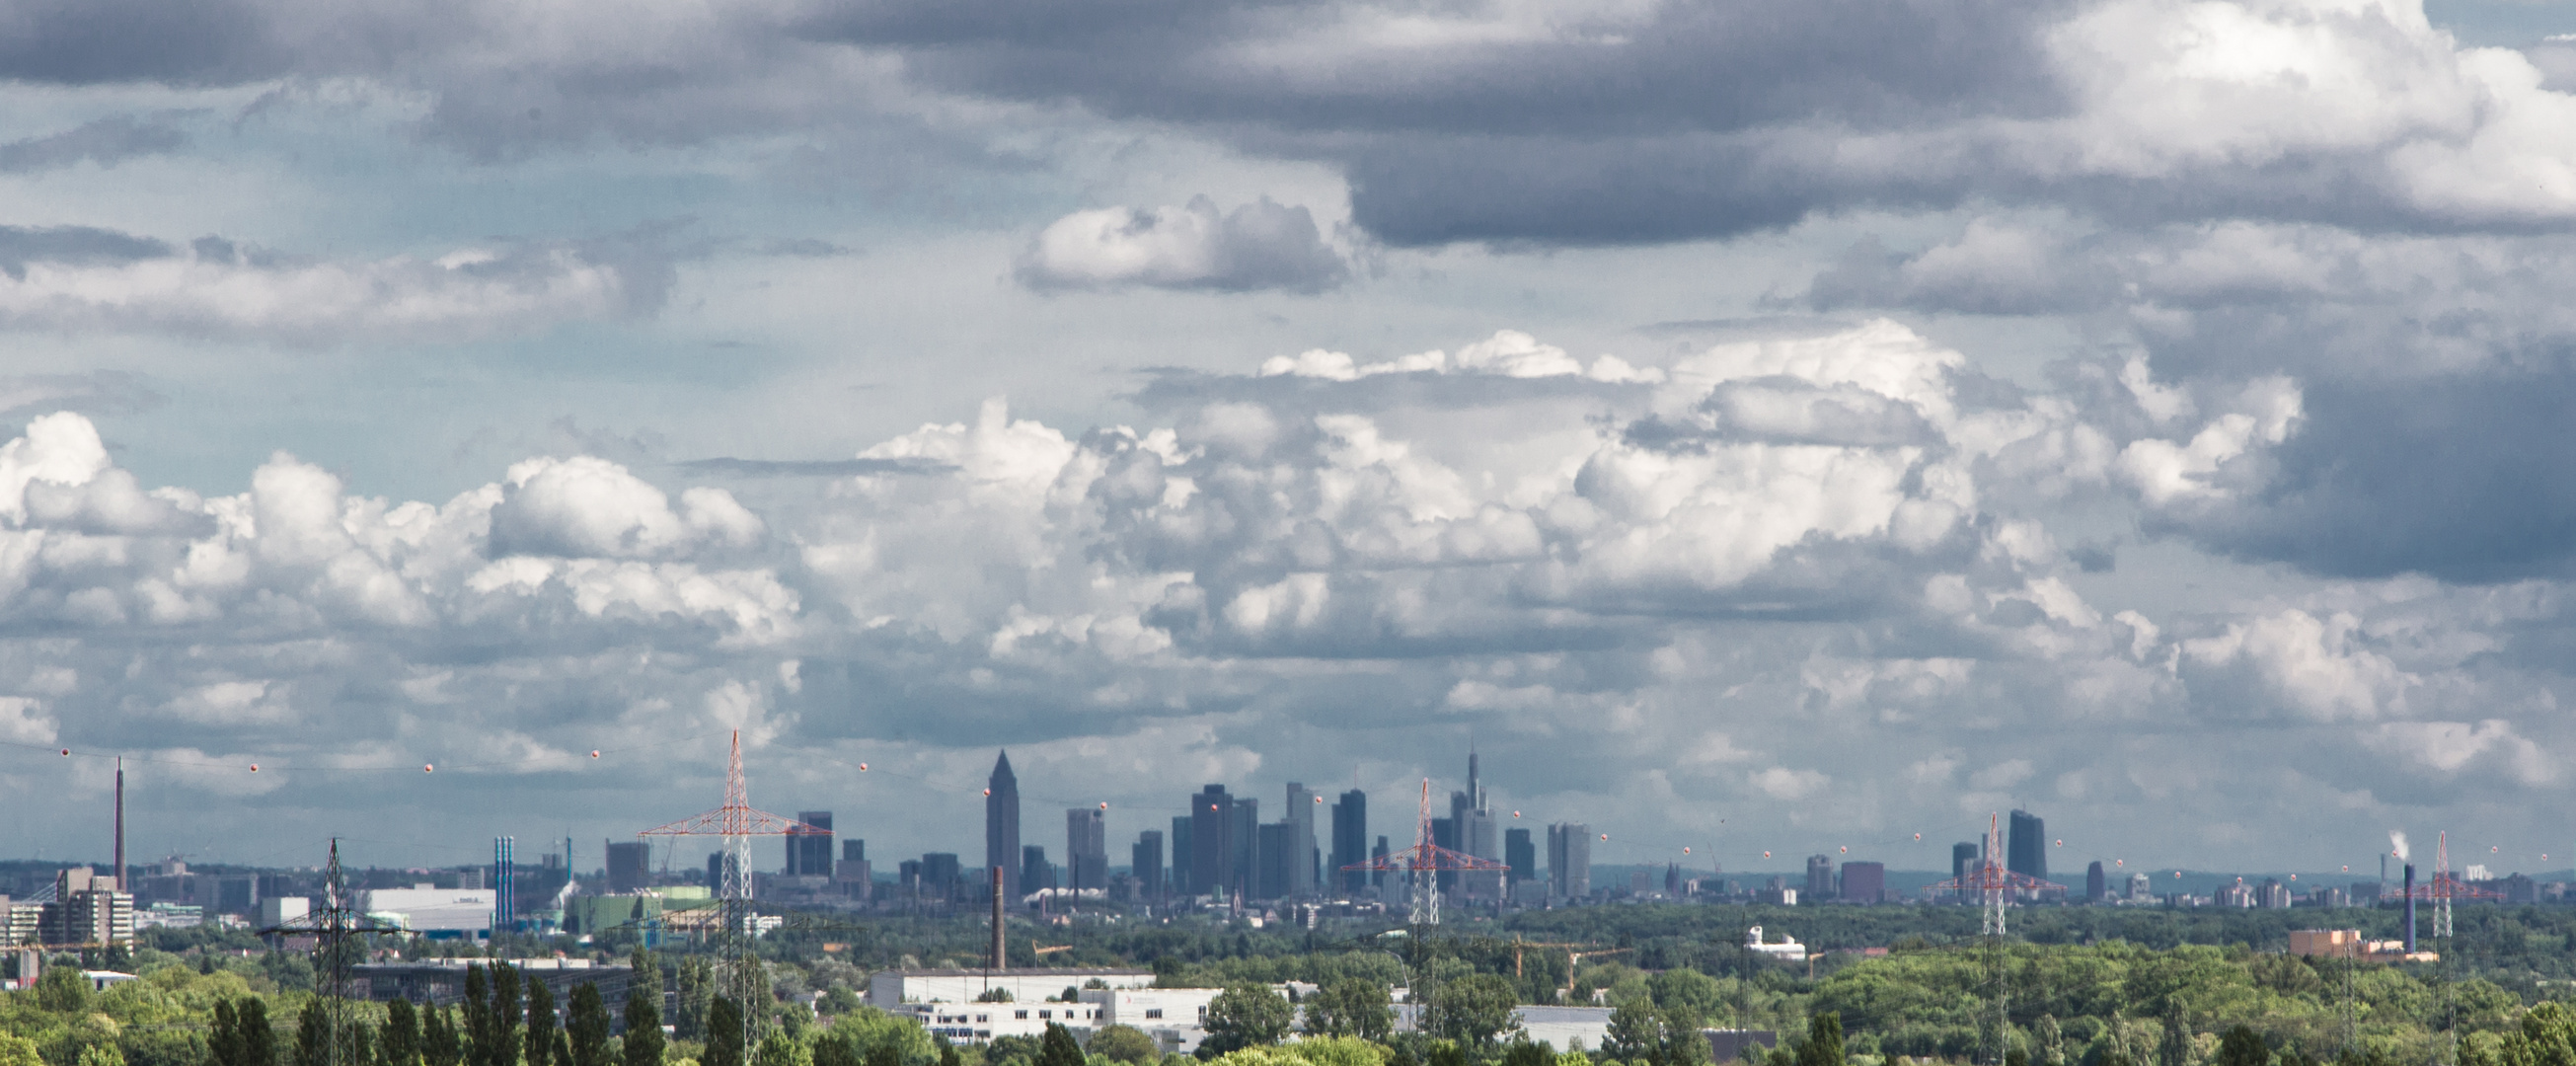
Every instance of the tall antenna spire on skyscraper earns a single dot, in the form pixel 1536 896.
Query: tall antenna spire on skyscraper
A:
pixel 1475 791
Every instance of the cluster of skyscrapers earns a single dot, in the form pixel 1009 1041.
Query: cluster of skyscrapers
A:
pixel 1221 847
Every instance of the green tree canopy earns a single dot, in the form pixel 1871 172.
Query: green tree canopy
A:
pixel 586 1027
pixel 1124 1043
pixel 540 1038
pixel 643 1024
pixel 63 990
pixel 1057 1048
pixel 1472 1010
pixel 1824 1046
pixel 1247 1015
pixel 1352 1006
pixel 724 1033
pixel 398 1043
pixel 440 1043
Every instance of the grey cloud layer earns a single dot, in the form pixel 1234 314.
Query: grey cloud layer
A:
pixel 1575 123
pixel 80 278
pixel 1611 123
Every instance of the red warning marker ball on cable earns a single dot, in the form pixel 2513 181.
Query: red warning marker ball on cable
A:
pixel 988 792
pixel 67 753
pixel 254 767
pixel 863 768
pixel 594 753
pixel 428 767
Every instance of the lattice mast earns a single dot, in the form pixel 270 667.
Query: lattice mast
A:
pixel 736 823
pixel 1991 883
pixel 2446 886
pixel 335 926
pixel 1424 862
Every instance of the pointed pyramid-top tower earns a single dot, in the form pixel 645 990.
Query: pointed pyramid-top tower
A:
pixel 1002 825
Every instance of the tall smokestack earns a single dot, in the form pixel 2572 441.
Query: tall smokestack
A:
pixel 997 920
pixel 120 823
pixel 2410 908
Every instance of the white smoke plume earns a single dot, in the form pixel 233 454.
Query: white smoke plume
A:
pixel 2397 843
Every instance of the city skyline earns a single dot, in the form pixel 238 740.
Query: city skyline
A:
pixel 2031 849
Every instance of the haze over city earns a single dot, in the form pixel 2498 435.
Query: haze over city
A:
pixel 1762 430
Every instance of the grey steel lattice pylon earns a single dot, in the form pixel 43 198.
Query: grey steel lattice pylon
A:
pixel 737 822
pixel 1423 862
pixel 335 927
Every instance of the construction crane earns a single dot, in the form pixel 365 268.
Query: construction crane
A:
pixel 1052 950
pixel 1571 957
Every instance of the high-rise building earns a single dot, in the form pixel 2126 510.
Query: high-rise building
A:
pixel 1820 878
pixel 2141 889
pixel 810 854
pixel 1444 833
pixel 1177 882
pixel 1350 842
pixel 1036 873
pixel 1963 857
pixel 1086 848
pixel 2095 884
pixel 1242 840
pixel 1569 860
pixel 1299 817
pixel 853 874
pixel 2027 854
pixel 87 909
pixel 1377 878
pixel 630 865
pixel 1864 882
pixel 942 876
pixel 1002 826
pixel 1211 851
pixel 1145 863
pixel 718 863
pixel 1275 852
pixel 1522 856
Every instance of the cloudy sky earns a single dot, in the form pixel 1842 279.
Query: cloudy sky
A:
pixel 1754 427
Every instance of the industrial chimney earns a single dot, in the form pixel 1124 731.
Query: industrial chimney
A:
pixel 2410 908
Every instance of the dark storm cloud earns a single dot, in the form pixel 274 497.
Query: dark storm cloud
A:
pixel 81 42
pixel 1684 67
pixel 2435 374
pixel 2466 478
pixel 72 245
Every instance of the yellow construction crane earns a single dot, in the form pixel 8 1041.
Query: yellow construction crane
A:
pixel 1052 950
pixel 1573 959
